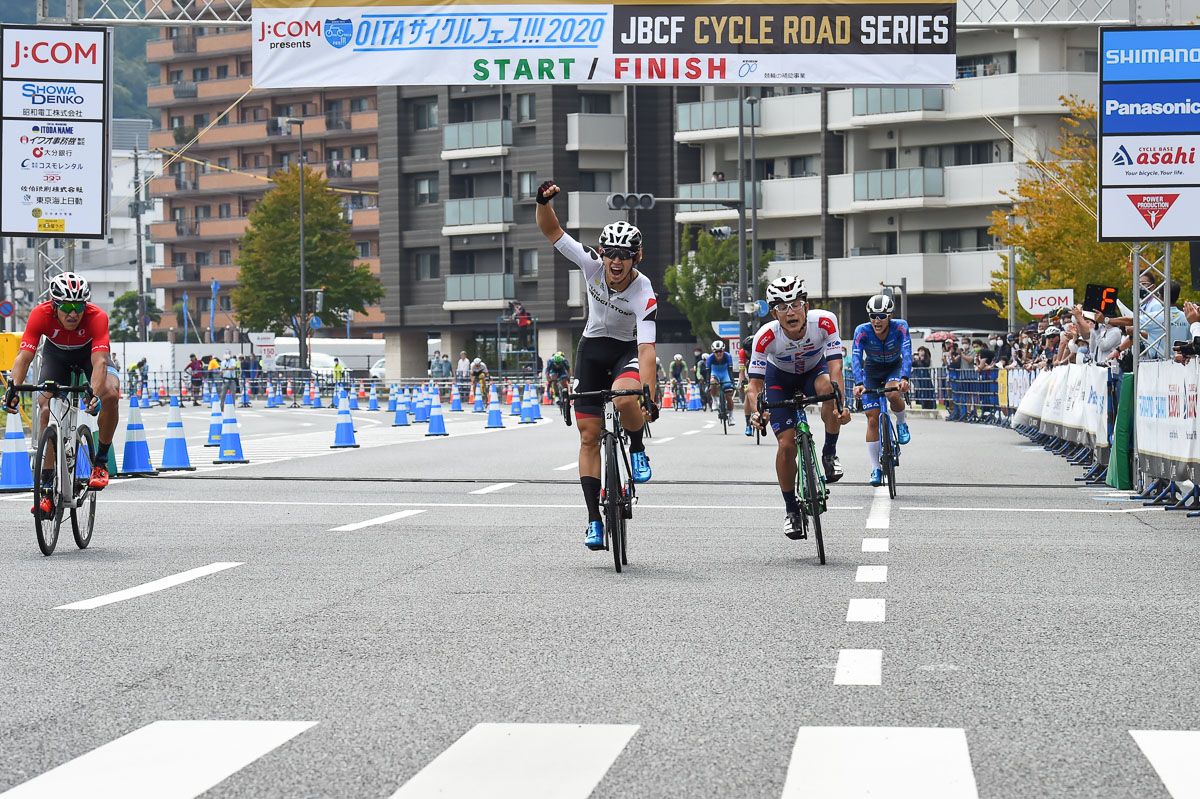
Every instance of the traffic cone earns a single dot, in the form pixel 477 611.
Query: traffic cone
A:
pixel 145 398
pixel 353 398
pixel 343 434
pixel 162 394
pixel 306 400
pixel 668 399
pixel 207 397
pixel 136 460
pixel 477 401
pixel 316 395
pixel 495 414
pixel 270 396
pixel 373 402
pixel 15 472
pixel 214 425
pixel 362 390
pixel 533 403
pixel 421 409
pixel 231 439
pixel 546 396
pixel 175 455
pixel 245 396
pixel 694 403
pixel 515 410
pixel 527 409
pixel 400 401
pixel 437 422
pixel 291 394
pixel 455 399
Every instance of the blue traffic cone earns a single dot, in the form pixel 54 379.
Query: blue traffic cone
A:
pixel 437 422
pixel 245 396
pixel 316 399
pixel 694 403
pixel 373 399
pixel 214 425
pixel 136 460
pixel 175 455
pixel 495 416
pixel 527 406
pixel 537 406
pixel 455 399
pixel 515 410
pixel 207 398
pixel 401 403
pixel 144 397
pixel 231 439
pixel 478 402
pixel 352 395
pixel 391 406
pixel 306 400
pixel 343 434
pixel 421 408
pixel 15 473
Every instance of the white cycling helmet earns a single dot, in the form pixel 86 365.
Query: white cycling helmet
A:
pixel 880 303
pixel 69 287
pixel 620 234
pixel 786 289
pixel 718 345
pixel 476 362
pixel 677 357
pixel 1052 331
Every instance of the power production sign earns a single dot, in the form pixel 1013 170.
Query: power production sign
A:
pixel 54 159
pixel 305 43
pixel 1149 133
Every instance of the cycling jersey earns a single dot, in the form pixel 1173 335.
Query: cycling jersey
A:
pixel 893 349
pixel 627 315
pixel 720 370
pixel 559 369
pixel 819 343
pixel 678 370
pixel 92 332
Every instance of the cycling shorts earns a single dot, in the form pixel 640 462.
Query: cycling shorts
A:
pixel 725 381
pixel 59 365
pixel 599 362
pixel 556 374
pixel 783 385
pixel 876 376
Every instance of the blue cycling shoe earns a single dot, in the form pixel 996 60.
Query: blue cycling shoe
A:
pixel 749 430
pixel 902 434
pixel 877 477
pixel 641 467
pixel 595 536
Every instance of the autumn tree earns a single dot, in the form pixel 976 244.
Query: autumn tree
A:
pixel 269 258
pixel 694 286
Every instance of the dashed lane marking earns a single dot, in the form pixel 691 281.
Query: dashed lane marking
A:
pixel 875 545
pixel 566 466
pixel 391 517
pixel 691 432
pixel 148 588
pixel 1172 753
pixel 881 509
pixel 871 574
pixel 662 440
pixel 867 610
pixel 859 667
pixel 491 488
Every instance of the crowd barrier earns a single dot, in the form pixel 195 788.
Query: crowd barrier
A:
pixel 1167 429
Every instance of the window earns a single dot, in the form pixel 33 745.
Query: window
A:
pixel 527 184
pixel 224 211
pixel 360 153
pixel 175 76
pixel 526 107
pixel 225 302
pixel 425 113
pixel 199 74
pixel 86 244
pixel 426 189
pixel 800 249
pixel 364 248
pixel 225 257
pixel 149 254
pixel 200 120
pixel 957 240
pixel 593 103
pixel 223 163
pixel 223 120
pixel 426 265
pixel 976 66
pixel 966 153
pixel 204 212
pixel 803 166
pixel 176 122
pixel 595 181
pixel 528 263
pixel 360 104
pixel 179 259
pixel 222 71
pixel 202 259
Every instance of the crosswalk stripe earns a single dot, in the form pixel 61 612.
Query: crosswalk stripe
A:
pixel 518 761
pixel 1172 753
pixel 163 760
pixel 893 762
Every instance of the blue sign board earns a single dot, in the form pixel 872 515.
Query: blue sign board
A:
pixel 727 329
pixel 1150 54
pixel 315 323
pixel 1150 107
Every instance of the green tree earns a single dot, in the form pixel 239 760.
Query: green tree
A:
pixel 123 320
pixel 694 285
pixel 268 297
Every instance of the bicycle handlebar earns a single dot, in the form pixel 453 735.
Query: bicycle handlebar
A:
pixel 606 394
pixel 52 388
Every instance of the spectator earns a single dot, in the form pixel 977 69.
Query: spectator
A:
pixel 230 369
pixel 339 371
pixel 463 371
pixel 923 378
pixel 1154 344
pixel 195 368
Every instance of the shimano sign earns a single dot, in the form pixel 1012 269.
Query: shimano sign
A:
pixel 1149 133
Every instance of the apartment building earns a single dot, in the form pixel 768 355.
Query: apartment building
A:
pixel 459 169
pixel 210 190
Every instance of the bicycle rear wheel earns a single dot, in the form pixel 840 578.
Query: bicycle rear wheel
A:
pixel 83 517
pixel 812 499
pixel 887 458
pixel 46 525
pixel 612 501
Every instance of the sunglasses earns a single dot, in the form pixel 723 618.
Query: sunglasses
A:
pixel 72 307
pixel 618 253
pixel 791 306
pixel 878 316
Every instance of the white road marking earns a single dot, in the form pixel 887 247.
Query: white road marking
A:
pixel 871 574
pixel 898 762
pixel 517 761
pixel 1172 753
pixel 491 488
pixel 859 667
pixel 163 760
pixel 867 610
pixel 517 505
pixel 566 466
pixel 391 517
pixel 990 509
pixel 710 425
pixel 875 545
pixel 881 510
pixel 148 588
pixel 691 432
pixel 662 440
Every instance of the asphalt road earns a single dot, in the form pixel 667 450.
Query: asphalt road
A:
pixel 419 617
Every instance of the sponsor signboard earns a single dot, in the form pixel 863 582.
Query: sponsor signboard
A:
pixel 305 43
pixel 1040 302
pixel 1149 133
pixel 54 155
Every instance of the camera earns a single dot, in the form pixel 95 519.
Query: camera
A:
pixel 1188 348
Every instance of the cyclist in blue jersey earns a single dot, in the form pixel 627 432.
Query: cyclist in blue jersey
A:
pixel 882 358
pixel 720 369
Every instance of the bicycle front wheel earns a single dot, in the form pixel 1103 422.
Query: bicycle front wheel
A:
pixel 612 501
pixel 45 485
pixel 887 458
pixel 83 517
pixel 813 499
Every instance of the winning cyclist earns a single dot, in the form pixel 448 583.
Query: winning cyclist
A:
pixel 882 358
pixel 617 347
pixel 800 349
pixel 720 369
pixel 558 373
pixel 76 341
pixel 679 376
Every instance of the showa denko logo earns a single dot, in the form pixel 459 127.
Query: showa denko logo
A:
pixel 1153 207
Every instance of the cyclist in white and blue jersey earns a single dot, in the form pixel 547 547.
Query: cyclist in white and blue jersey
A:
pixel 720 370
pixel 882 358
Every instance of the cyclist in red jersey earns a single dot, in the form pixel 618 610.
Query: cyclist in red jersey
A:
pixel 76 335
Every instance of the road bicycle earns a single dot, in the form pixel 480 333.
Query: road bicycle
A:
pixel 67 445
pixel 617 492
pixel 723 412
pixel 811 489
pixel 679 389
pixel 889 448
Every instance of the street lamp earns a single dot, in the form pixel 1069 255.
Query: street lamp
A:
pixel 753 101
pixel 303 322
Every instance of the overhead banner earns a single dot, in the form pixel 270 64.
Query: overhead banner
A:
pixel 317 43
pixel 54 155
pixel 1040 302
pixel 1149 131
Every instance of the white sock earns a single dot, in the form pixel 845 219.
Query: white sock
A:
pixel 901 416
pixel 873 454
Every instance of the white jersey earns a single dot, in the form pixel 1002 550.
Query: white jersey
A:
pixel 623 315
pixel 772 345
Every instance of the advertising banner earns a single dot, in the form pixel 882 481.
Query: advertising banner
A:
pixel 1029 410
pixel 1143 214
pixel 331 43
pixel 1040 302
pixel 54 155
pixel 1166 423
pixel 1070 402
pixel 1149 160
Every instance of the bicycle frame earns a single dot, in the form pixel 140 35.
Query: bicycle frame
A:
pixel 802 429
pixel 64 414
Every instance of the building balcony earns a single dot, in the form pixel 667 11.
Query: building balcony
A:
pixel 158 50
pixel 898 184
pixel 596 132
pixel 164 185
pixel 897 101
pixel 184 90
pixel 223 135
pixel 187 273
pixel 227 42
pixel 476 139
pixel 697 121
pixel 337 122
pixel 243 180
pixel 364 218
pixel 714 191
pixel 161 138
pixel 477 215
pixel 215 229
pixel 364 121
pixel 926 273
pixel 222 89
pixel 925 187
pixel 588 210
pixel 479 292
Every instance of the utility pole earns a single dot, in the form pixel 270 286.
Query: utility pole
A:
pixel 743 319
pixel 137 215
pixel 302 322
pixel 753 101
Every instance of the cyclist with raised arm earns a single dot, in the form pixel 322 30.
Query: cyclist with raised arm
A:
pixel 617 347
pixel 800 349
pixel 76 334
pixel 558 373
pixel 882 358
pixel 720 370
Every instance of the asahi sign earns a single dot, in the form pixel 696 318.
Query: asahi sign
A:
pixel 54 155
